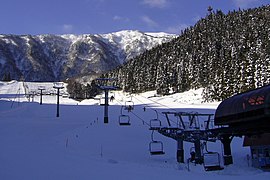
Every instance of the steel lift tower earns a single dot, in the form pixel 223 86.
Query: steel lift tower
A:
pixel 106 84
pixel 58 86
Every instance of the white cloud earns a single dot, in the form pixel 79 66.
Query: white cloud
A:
pixel 149 21
pixel 67 28
pixel 156 3
pixel 120 18
pixel 244 3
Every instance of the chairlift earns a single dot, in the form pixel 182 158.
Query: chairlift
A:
pixel 212 161
pixel 155 123
pixel 129 105
pixel 102 101
pixel 155 147
pixel 124 120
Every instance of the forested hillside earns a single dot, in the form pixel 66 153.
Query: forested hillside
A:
pixel 224 54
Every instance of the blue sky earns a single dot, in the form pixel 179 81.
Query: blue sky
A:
pixel 104 16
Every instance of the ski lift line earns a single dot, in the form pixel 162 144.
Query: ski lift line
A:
pixel 159 103
pixel 140 118
pixel 149 107
pixel 136 115
pixel 162 114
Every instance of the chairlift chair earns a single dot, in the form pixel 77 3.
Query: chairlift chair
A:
pixel 155 123
pixel 129 105
pixel 212 161
pixel 124 120
pixel 102 101
pixel 156 148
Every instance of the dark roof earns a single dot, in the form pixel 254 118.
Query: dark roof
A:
pixel 244 107
pixel 259 140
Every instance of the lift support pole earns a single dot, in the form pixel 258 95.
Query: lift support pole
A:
pixel 197 145
pixel 58 86
pixel 180 151
pixel 41 88
pixel 226 141
pixel 106 105
pixel 104 84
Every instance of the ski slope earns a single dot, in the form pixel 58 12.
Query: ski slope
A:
pixel 35 144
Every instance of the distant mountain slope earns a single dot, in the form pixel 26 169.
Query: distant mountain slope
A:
pixel 224 54
pixel 57 57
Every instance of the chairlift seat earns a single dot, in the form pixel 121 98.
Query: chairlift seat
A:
pixel 129 105
pixel 213 168
pixel 155 123
pixel 212 161
pixel 124 124
pixel 156 148
pixel 157 152
pixel 124 120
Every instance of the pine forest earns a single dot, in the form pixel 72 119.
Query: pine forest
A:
pixel 224 54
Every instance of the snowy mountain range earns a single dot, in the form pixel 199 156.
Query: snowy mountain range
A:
pixel 57 57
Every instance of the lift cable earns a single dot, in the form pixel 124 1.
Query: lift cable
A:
pixel 159 103
pixel 149 107
pixel 144 122
pixel 155 147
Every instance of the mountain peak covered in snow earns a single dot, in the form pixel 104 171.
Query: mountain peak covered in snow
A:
pixel 57 57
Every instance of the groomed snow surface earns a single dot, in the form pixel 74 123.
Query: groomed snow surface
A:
pixel 37 145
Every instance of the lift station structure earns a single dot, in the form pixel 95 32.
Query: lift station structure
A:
pixel 245 114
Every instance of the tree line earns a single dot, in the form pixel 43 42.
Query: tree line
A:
pixel 224 54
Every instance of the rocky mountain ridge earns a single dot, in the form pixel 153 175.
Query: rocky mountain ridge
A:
pixel 57 57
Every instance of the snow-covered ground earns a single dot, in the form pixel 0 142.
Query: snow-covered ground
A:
pixel 36 145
